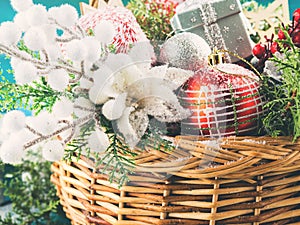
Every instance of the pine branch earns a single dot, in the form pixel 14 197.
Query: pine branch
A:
pixel 37 97
pixel 283 112
pixel 118 161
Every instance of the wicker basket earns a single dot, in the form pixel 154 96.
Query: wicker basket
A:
pixel 248 180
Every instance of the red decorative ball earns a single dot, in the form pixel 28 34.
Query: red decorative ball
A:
pixel 224 101
pixel 127 29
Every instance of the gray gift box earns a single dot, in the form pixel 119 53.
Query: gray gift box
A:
pixel 220 22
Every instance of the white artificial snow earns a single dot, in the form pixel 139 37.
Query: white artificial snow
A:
pixel 63 108
pixel 53 150
pixel 104 31
pixel 65 15
pixel 37 15
pixel 11 151
pixel 10 33
pixel 76 50
pixel 24 72
pixel 13 121
pixel 35 38
pixel 58 79
pixel 21 5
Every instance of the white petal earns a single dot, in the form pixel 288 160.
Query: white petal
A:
pixel 144 67
pixel 113 109
pixel 97 96
pixel 158 71
pixel 102 89
pixel 126 129
pixel 165 111
pixel 164 92
pixel 177 76
pixel 131 73
pixel 126 77
pixel 98 141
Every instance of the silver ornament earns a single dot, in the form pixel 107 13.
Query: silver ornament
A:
pixel 186 51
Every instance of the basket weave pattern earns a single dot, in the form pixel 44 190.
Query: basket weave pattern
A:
pixel 246 180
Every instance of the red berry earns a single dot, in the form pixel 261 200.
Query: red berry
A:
pixel 274 47
pixel 259 50
pixel 296 16
pixel 296 39
pixel 295 32
pixel 281 35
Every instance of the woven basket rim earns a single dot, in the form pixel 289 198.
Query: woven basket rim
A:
pixel 195 157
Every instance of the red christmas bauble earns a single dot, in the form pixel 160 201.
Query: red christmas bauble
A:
pixel 224 100
pixel 128 31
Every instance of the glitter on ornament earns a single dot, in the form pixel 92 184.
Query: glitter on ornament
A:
pixel 186 51
pixel 224 100
pixel 128 30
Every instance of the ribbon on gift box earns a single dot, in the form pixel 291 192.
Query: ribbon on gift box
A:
pixel 212 30
pixel 194 14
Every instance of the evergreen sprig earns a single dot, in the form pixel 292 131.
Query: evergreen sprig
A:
pixel 36 97
pixel 283 99
pixel 154 138
pixel 118 161
pixel 154 17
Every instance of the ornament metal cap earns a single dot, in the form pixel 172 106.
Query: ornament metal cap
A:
pixel 216 57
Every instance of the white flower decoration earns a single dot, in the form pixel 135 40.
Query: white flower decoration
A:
pixel 137 92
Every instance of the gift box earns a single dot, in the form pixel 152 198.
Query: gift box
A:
pixel 220 22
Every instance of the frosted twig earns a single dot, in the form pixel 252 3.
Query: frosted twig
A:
pixel 68 126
